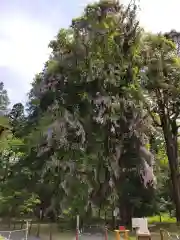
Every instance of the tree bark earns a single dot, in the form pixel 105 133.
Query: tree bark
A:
pixel 170 135
pixel 173 164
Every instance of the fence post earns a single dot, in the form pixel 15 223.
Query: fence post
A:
pixel 77 234
pixel 30 226
pixel 9 222
pixel 14 225
pixel 27 229
pixel 106 233
pixel 38 229
pixel 22 222
pixel 50 231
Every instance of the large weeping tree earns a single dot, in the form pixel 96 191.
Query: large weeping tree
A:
pixel 94 127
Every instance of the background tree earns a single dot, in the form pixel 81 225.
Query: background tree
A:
pixel 17 119
pixel 160 79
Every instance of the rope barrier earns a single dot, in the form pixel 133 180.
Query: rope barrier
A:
pixel 103 230
pixel 17 230
pixel 14 231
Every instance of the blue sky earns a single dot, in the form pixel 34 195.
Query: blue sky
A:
pixel 27 26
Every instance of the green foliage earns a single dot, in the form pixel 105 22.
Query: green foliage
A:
pixel 94 122
pixel 17 119
pixel 17 204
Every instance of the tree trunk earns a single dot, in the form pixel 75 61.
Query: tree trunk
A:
pixel 173 164
pixel 105 216
pixel 99 212
pixel 160 218
pixel 126 214
pixel 170 135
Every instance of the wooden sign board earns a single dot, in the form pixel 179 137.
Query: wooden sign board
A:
pixel 135 222
pixel 116 212
pixel 141 224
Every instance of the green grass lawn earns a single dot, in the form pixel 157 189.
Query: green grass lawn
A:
pixel 165 218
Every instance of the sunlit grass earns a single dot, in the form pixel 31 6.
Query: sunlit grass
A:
pixel 165 218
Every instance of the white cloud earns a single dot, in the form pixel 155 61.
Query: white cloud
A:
pixel 24 47
pixel 160 15
pixel 27 45
pixel 23 50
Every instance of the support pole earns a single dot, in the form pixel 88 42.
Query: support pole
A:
pixel 124 232
pixel 126 235
pixel 117 235
pixel 77 227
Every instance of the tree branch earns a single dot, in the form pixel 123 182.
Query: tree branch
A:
pixel 153 118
